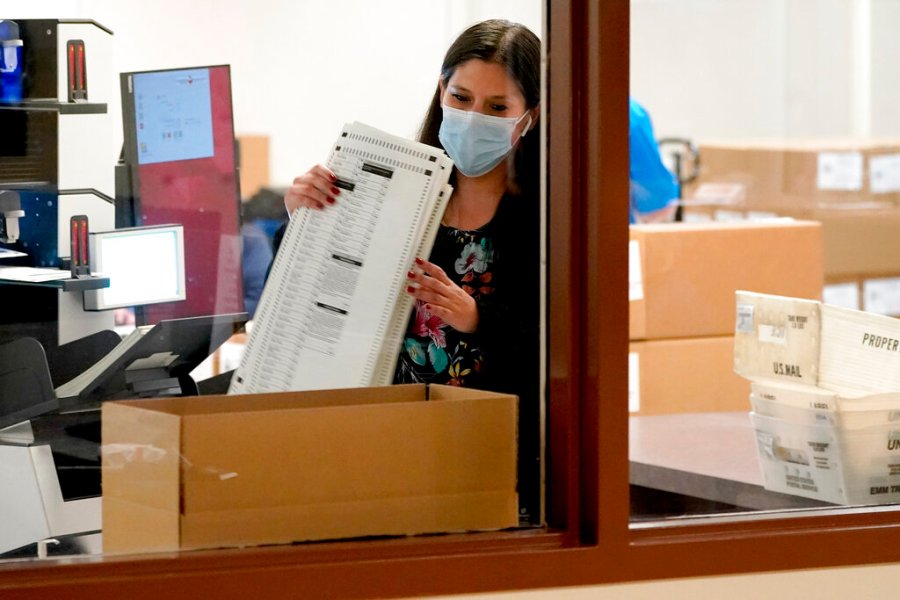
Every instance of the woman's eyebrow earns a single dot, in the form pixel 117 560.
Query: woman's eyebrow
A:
pixel 456 88
pixel 459 88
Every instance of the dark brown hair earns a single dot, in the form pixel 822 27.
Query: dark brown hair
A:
pixel 518 50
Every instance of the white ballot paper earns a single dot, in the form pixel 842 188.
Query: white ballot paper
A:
pixel 334 309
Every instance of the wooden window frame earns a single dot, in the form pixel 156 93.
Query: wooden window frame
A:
pixel 589 540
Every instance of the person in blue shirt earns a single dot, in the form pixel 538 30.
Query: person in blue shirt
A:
pixel 654 190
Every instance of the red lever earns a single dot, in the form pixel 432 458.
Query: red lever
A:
pixel 82 72
pixel 74 242
pixel 84 243
pixel 71 67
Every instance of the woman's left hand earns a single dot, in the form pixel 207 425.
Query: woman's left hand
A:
pixel 429 283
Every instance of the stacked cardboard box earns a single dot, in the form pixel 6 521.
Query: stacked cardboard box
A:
pixel 682 283
pixel 797 174
pixel 253 157
pixel 851 187
pixel 824 396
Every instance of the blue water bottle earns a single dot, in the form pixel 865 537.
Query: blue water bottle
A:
pixel 10 62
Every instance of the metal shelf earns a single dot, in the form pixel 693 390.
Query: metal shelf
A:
pixel 54 105
pixel 66 285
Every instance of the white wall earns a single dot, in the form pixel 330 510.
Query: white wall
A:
pixel 710 68
pixel 885 49
pixel 729 69
pixel 300 68
pixel 825 584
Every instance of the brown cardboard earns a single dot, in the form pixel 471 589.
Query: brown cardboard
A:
pixel 254 163
pixel 690 272
pixel 783 173
pixel 685 376
pixel 857 242
pixel 860 242
pixel 217 471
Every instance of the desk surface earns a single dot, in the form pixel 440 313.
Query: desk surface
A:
pixel 704 455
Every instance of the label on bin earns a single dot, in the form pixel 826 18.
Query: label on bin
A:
pixel 773 334
pixel 744 323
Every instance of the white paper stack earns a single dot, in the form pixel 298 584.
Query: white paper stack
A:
pixel 334 310
pixel 825 394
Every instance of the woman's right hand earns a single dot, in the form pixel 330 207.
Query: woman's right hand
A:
pixel 314 189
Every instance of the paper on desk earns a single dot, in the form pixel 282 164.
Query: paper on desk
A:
pixel 32 274
pixel 333 311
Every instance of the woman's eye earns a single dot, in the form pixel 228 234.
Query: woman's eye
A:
pixel 460 98
pixel 498 107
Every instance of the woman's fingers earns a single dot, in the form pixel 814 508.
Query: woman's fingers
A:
pixel 426 295
pixel 430 284
pixel 432 270
pixel 313 189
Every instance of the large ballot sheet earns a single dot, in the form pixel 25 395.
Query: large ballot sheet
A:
pixel 334 311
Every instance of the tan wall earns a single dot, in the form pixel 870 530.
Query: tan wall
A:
pixel 822 584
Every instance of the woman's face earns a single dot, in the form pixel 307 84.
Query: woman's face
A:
pixel 487 88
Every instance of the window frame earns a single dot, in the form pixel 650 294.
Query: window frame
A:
pixel 589 540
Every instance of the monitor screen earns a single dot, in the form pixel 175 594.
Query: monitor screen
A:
pixel 180 154
pixel 145 265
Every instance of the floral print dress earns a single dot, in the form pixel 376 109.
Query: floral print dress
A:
pixel 432 351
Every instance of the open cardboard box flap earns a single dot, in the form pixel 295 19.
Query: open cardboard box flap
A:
pixel 269 468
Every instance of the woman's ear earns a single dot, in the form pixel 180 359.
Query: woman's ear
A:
pixel 535 114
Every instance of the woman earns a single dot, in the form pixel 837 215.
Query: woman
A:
pixel 476 316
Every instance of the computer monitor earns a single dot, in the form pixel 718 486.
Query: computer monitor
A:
pixel 179 156
pixel 145 265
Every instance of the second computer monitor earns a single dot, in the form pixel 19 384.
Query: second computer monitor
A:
pixel 145 265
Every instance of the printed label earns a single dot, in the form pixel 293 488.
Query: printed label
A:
pixel 882 296
pixel 634 382
pixel 798 321
pixel 635 274
pixel 719 193
pixel 880 342
pixel 884 174
pixel 773 334
pixel 840 171
pixel 744 323
pixel 845 295
pixel 729 216
pixel 786 370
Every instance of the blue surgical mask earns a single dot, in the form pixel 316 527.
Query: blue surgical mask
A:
pixel 477 142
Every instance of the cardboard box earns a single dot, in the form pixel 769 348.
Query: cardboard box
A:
pixel 683 276
pixel 253 157
pixel 218 471
pixel 684 376
pixel 804 341
pixel 860 242
pixel 857 242
pixel 798 174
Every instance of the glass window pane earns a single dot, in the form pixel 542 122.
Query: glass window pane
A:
pixel 776 126
pixel 212 130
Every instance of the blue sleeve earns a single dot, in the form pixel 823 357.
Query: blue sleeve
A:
pixel 257 255
pixel 652 185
